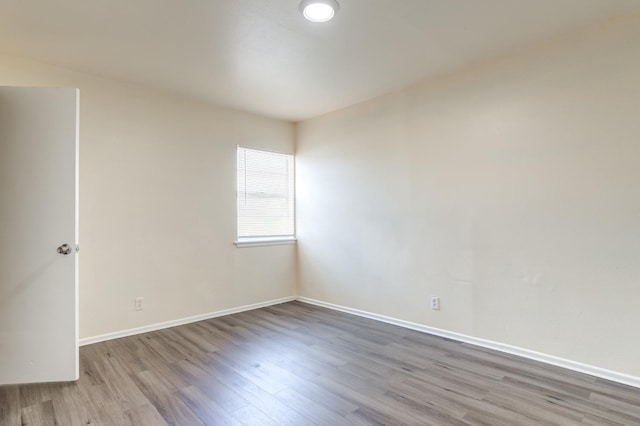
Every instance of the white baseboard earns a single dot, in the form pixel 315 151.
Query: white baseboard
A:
pixel 514 350
pixel 181 321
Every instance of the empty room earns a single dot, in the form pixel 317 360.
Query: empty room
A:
pixel 320 212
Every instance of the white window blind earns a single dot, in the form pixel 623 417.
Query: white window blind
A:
pixel 265 195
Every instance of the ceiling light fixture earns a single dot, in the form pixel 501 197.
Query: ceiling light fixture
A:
pixel 319 10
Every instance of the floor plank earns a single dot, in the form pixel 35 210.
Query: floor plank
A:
pixel 298 364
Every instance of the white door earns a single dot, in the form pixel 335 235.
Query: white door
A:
pixel 38 234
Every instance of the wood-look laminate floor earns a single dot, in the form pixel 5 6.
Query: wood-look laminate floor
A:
pixel 296 364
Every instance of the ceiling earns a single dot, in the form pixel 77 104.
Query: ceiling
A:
pixel 262 56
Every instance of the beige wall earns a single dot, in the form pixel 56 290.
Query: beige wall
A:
pixel 511 190
pixel 157 203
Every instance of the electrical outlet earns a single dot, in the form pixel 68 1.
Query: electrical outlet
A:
pixel 435 303
pixel 139 303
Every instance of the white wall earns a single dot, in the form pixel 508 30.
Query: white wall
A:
pixel 511 190
pixel 157 203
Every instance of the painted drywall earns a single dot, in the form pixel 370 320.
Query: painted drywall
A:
pixel 510 189
pixel 157 203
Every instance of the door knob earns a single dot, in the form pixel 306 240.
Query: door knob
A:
pixel 64 249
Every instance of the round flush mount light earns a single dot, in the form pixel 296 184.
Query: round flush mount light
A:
pixel 319 10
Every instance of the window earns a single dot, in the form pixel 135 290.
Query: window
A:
pixel 265 197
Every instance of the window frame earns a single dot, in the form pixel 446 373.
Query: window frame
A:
pixel 258 241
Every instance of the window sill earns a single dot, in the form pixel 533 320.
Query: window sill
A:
pixel 260 242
